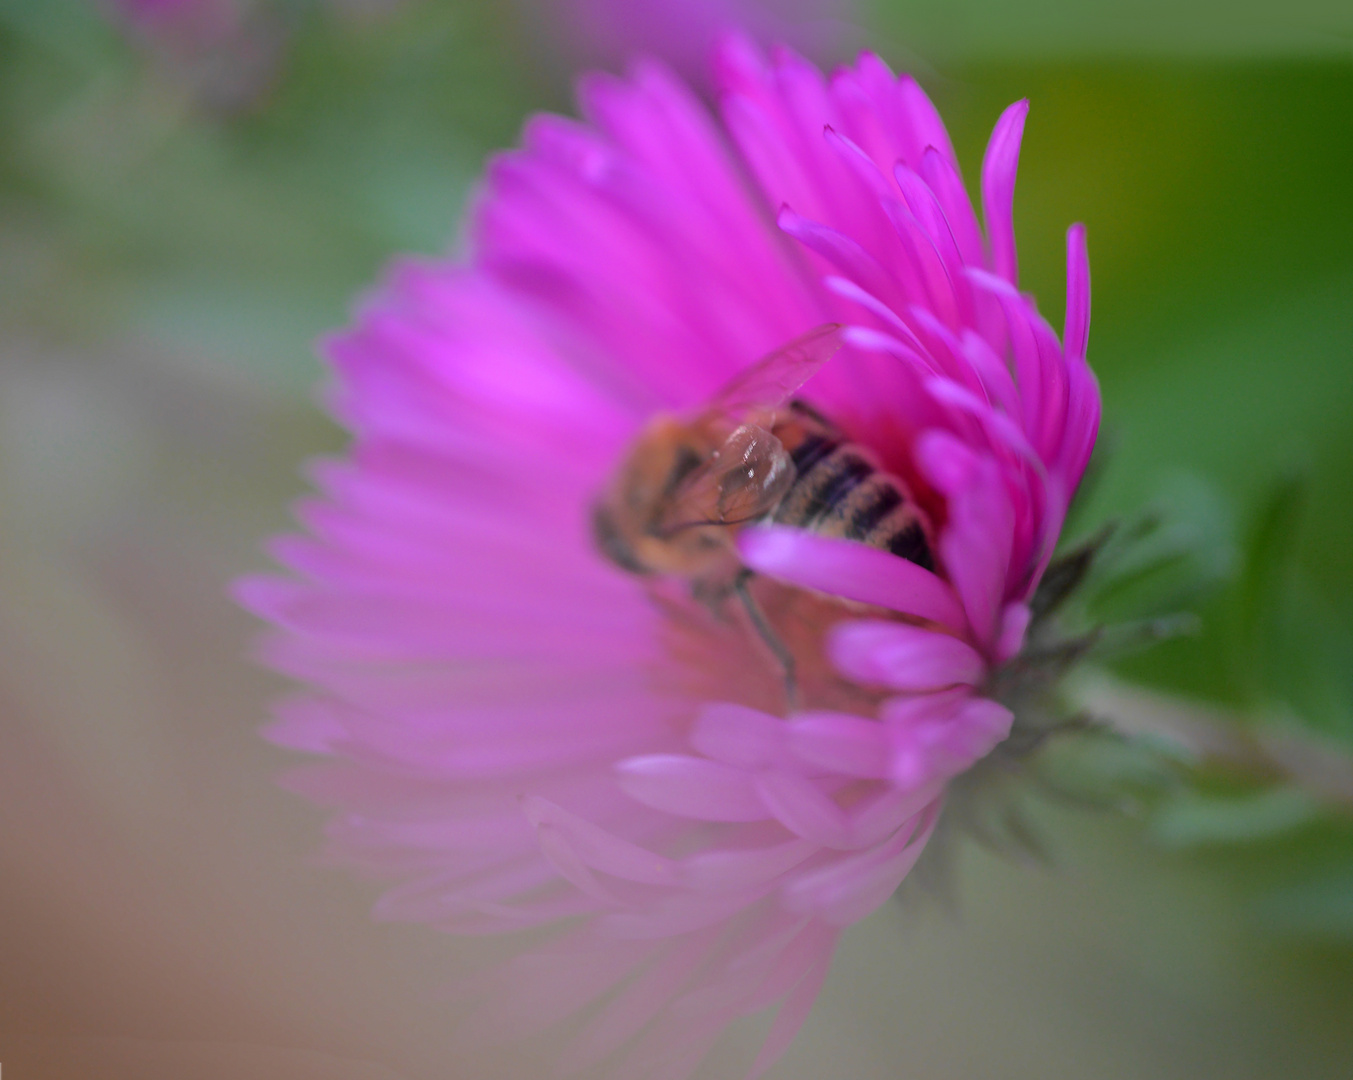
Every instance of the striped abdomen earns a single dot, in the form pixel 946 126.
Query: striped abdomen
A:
pixel 840 490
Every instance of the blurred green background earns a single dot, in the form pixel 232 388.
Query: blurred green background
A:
pixel 181 217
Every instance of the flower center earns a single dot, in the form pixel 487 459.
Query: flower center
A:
pixel 768 651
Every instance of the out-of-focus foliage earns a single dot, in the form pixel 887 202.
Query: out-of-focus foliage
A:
pixel 132 204
pixel 1047 29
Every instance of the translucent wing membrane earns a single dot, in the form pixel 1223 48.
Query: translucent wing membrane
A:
pixel 774 378
pixel 744 481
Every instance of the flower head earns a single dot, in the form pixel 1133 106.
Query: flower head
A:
pixel 522 732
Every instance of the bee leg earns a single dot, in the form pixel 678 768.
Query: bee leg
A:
pixel 763 628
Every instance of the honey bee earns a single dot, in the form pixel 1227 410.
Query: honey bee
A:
pixel 754 454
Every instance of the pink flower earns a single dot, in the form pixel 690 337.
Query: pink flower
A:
pixel 518 731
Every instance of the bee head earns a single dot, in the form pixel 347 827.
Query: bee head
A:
pixel 609 541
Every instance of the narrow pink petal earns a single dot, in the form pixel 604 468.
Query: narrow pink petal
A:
pixel 925 206
pixel 942 177
pixel 870 889
pixel 978 538
pixel 848 289
pixel 793 1012
pixel 943 745
pixel 924 262
pixel 981 724
pixel 1014 622
pixel 842 252
pixel 860 163
pixel 792 963
pixel 877 819
pixel 678 913
pixel 597 848
pixel 998 189
pixel 839 743
pixel 692 787
pixel 1023 344
pixel 642 1000
pixel 909 711
pixel 1003 432
pixel 739 736
pixel 742 868
pixel 1082 423
pixel 877 341
pixel 802 808
pixel 835 886
pixel 850 570
pixel 903 657
pixel 1076 334
pixel 555 846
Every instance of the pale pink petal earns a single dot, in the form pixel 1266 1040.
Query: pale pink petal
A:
pixel 738 735
pixel 903 657
pixel 803 808
pixel 743 867
pixel 1014 623
pixel 793 1012
pixel 943 745
pixel 597 848
pixel 853 571
pixel 627 1014
pixel 692 787
pixel 838 743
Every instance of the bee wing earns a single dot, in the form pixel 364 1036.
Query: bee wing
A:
pixel 776 376
pixel 743 481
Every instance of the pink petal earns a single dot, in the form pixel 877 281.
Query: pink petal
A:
pixel 793 1013
pixel 555 846
pixel 979 537
pixel 998 188
pixel 1014 622
pixel 850 570
pixel 743 868
pixel 944 744
pixel 1076 334
pixel 643 999
pixel 739 736
pixel 849 888
pixel 903 657
pixel 942 177
pixel 802 808
pixel 597 848
pixel 839 743
pixel 691 787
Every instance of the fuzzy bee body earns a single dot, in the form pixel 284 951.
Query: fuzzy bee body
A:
pixel 755 454
pixel 671 512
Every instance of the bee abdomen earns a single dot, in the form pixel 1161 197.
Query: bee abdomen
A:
pixel 840 491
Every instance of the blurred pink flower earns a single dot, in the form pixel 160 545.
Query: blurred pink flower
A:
pixel 520 733
pixel 200 22
pixel 226 53
pixel 683 32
